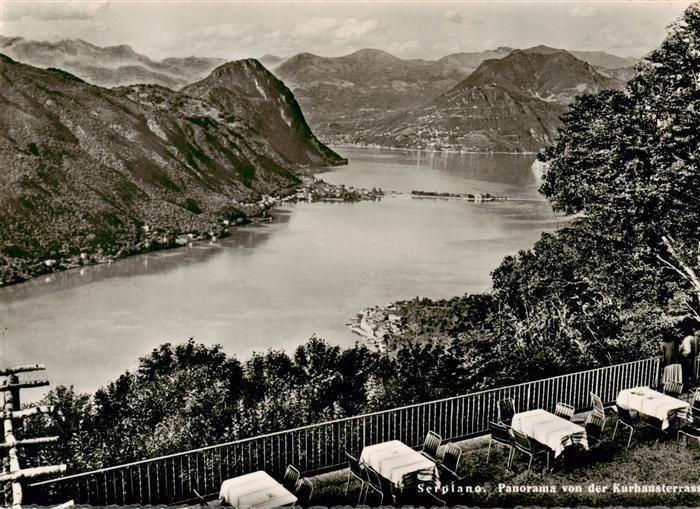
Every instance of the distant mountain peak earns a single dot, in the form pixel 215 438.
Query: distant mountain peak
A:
pixel 8 41
pixel 548 74
pixel 544 50
pixel 371 53
pixel 245 87
pixel 108 66
pixel 235 66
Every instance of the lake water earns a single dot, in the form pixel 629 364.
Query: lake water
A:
pixel 275 285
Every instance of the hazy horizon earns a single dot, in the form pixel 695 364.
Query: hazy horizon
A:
pixel 426 30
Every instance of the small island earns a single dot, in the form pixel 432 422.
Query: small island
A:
pixel 477 197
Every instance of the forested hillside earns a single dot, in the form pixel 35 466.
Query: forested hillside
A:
pixel 598 292
pixel 91 174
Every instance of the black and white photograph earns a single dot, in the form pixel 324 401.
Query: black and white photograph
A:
pixel 342 253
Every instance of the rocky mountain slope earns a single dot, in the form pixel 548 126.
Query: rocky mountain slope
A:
pixel 342 94
pixel 267 105
pixel 511 104
pixel 345 97
pixel 604 60
pixel 108 66
pixel 90 173
pixel 466 63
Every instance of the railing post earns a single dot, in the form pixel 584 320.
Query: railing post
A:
pixel 657 372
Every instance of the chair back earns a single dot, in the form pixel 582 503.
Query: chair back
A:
pixel 379 482
pixel 597 403
pixel 291 478
pixel 431 444
pixel 500 433
pixel 673 389
pixel 672 373
pixel 373 478
pixel 355 467
pixel 305 491
pixel 694 411
pixel 564 411
pixel 521 440
pixel 451 458
pixel 594 425
pixel 506 410
pixel 625 415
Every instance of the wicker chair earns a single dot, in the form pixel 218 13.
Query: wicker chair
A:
pixel 291 478
pixel 531 448
pixel 450 464
pixel 358 472
pixel 430 445
pixel 506 410
pixel 500 434
pixel 564 411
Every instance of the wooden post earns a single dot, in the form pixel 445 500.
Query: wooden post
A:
pixel 9 435
pixel 12 417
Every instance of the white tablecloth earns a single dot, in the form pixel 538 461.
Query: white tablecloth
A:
pixel 256 489
pixel 397 462
pixel 652 403
pixel 550 430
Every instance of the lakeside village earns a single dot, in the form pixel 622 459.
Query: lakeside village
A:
pixel 376 325
pixel 153 238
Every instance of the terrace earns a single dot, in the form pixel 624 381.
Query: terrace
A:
pixel 596 474
pixel 319 452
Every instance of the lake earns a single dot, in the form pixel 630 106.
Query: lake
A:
pixel 272 286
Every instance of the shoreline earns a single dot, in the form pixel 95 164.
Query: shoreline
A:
pixel 428 150
pixel 310 190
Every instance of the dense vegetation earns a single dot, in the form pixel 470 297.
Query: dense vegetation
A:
pixel 600 291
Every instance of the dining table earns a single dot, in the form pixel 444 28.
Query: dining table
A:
pixel 257 489
pixel 400 464
pixel 550 430
pixel 648 402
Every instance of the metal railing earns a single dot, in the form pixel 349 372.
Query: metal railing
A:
pixel 321 447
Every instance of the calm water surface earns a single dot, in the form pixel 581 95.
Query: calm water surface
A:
pixel 273 286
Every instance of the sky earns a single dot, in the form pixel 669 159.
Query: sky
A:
pixel 413 29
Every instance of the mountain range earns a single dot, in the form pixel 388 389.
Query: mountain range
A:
pixel 341 95
pixel 108 66
pixel 373 97
pixel 512 104
pixel 503 99
pixel 91 172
